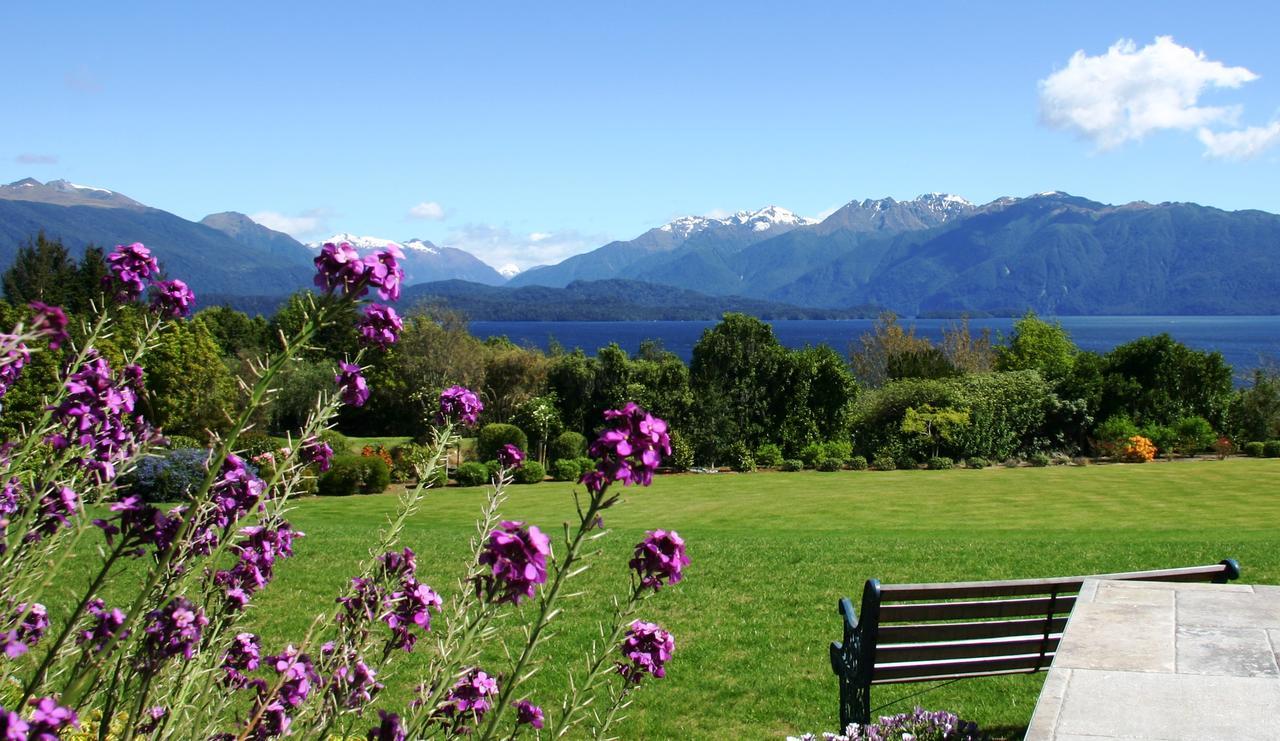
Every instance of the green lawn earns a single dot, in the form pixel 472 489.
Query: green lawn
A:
pixel 772 553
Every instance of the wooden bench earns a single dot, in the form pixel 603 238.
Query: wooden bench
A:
pixel 943 631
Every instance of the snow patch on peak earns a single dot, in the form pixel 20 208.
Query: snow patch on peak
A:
pixel 420 245
pixel 759 220
pixel 509 271
pixel 360 243
pixel 944 198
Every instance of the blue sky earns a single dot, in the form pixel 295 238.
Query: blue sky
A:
pixel 527 132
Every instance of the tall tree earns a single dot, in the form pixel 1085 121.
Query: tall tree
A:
pixel 735 376
pixel 42 271
pixel 1040 346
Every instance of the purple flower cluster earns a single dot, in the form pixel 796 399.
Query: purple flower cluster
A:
pixel 173 299
pixel 173 630
pixel 140 525
pixel 380 326
pixel 660 559
pixel 517 557
pixel 50 322
pixel 351 385
pixel 10 501
pixel 297 675
pixel 244 656
pixel 461 405
pixel 354 684
pixel 528 714
pixel 920 724
pixel 256 555
pixel 509 456
pixel 469 699
pixel 14 358
pixel 389 728
pixel 98 412
pixel 317 451
pixel 47 721
pixel 54 511
pixel 29 622
pixel 340 266
pixel 130 265
pixel 630 450
pixel 104 626
pixel 403 605
pixel 647 649
pixel 236 492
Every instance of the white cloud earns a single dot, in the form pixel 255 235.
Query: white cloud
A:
pixel 309 223
pixel 718 213
pixel 427 210
pixel 1241 144
pixel 36 159
pixel 824 213
pixel 498 245
pixel 1128 92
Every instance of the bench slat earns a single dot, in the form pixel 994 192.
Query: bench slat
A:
pixel 904 652
pixel 1016 587
pixel 965 668
pixel 967 631
pixel 903 613
pixel 944 677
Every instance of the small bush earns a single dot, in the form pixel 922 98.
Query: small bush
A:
pixel 339 442
pixel 828 464
pixel 378 451
pixel 857 463
pixel 681 452
pixel 792 464
pixel 1012 463
pixel 168 478
pixel 1271 449
pixel 567 445
pixel 940 463
pixel 531 472
pixel 1139 450
pixel 493 468
pixel 254 444
pixel 740 458
pixel 768 456
pixel 350 474
pixel 179 442
pixel 1165 439
pixel 1194 435
pixel 1039 460
pixel 471 473
pixel 1112 435
pixel 565 469
pixel 882 462
pixel 1223 447
pixel 406 459
pixel 585 464
pixel 494 436
pixel 1255 449
pixel 977 462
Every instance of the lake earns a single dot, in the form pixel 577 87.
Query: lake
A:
pixel 1245 341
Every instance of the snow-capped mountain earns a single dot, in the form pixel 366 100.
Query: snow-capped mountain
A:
pixel 423 261
pixel 65 193
pixel 508 271
pixel 765 219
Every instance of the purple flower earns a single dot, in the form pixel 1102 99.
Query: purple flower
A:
pixel 469 699
pixel 389 728
pixel 518 559
pixel 12 726
pixel 256 552
pixel 98 414
pixel 630 450
pixel 298 674
pixel 380 326
pixel 317 451
pixel 660 559
pixel 509 456
pixel 459 404
pixel 351 385
pixel 528 714
pixel 242 657
pixel 354 684
pixel 13 359
pixel 152 719
pixel 410 606
pixel 648 648
pixel 9 502
pixel 104 626
pixel 364 604
pixel 50 322
pixel 55 510
pixel 48 719
pixel 173 299
pixel 339 265
pixel 140 525
pixel 130 266
pixel 173 630
pixel 383 272
pixel 236 492
pixel 29 622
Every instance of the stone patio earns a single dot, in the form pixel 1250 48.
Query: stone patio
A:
pixel 1156 660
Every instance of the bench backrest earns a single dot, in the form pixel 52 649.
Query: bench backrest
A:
pixel 922 632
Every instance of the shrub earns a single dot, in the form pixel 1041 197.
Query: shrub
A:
pixel 254 444
pixel 377 451
pixel 1139 450
pixel 768 456
pixel 1165 439
pixel 471 473
pixel 1039 459
pixel 857 463
pixel 810 454
pixel 976 462
pixel 568 445
pixel 1194 435
pixel 565 469
pixel 838 450
pixel 1255 449
pixel 740 458
pixel 494 436
pixel 493 468
pixel 406 459
pixel 681 452
pixel 828 464
pixel 168 478
pixel 179 442
pixel 349 474
pixel 531 472
pixel 1271 449
pixel 792 464
pixel 1223 447
pixel 940 463
pixel 1012 463
pixel 1110 437
pixel 883 462
pixel 585 464
pixel 338 441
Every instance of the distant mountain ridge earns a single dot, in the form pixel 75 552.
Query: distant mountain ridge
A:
pixel 423 261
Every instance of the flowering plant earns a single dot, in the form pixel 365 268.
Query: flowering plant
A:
pixel 918 725
pixel 169 657
pixel 1139 449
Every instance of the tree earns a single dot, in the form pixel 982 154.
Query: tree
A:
pixel 572 378
pixel 1254 413
pixel 735 376
pixel 338 339
pixel 965 351
pixel 935 426
pixel 512 376
pixel 889 352
pixel 42 271
pixel 816 399
pixel 1158 380
pixel 189 388
pixel 1040 346
pixel 234 331
pixel 540 419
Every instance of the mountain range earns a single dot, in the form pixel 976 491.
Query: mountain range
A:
pixel 1052 252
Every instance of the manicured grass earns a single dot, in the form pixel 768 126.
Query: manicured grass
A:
pixel 357 443
pixel 773 552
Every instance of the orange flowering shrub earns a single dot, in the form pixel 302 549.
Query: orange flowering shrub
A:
pixel 1139 449
pixel 370 451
